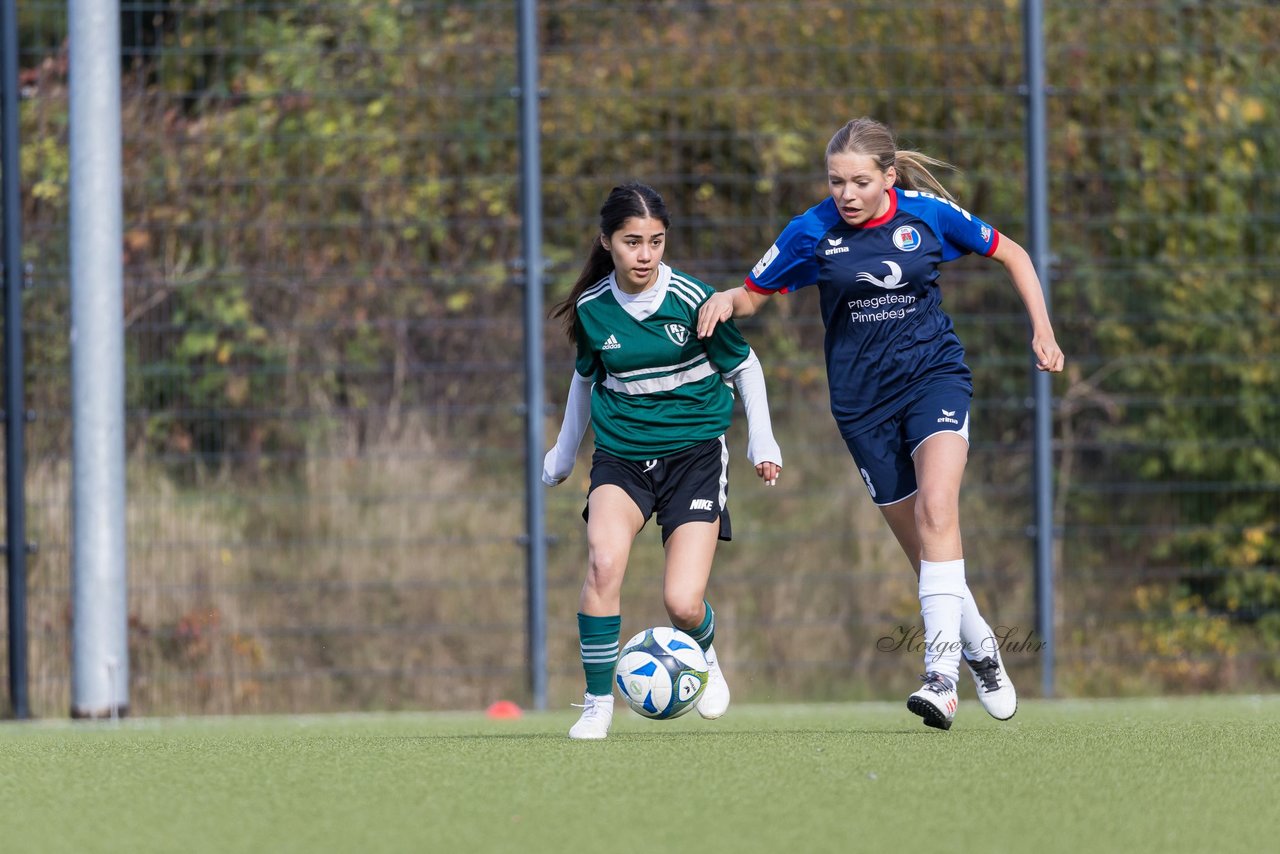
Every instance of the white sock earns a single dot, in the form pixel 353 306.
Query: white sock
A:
pixel 942 591
pixel 978 639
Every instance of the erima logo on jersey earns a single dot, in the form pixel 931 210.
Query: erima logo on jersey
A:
pixel 611 343
pixel 889 282
pixel 763 263
pixel 701 504
pixel 835 241
pixel 677 333
pixel 948 417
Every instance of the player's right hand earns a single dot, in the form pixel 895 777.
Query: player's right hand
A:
pixel 550 476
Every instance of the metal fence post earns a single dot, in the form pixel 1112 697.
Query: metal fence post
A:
pixel 531 216
pixel 1038 246
pixel 14 397
pixel 99 637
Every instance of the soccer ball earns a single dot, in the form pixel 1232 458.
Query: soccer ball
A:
pixel 662 673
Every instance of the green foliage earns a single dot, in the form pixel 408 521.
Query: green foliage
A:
pixel 1184 646
pixel 1183 348
pixel 220 359
pixel 323 216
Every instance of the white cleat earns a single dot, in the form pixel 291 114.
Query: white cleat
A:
pixel 935 701
pixel 714 701
pixel 597 714
pixel 995 690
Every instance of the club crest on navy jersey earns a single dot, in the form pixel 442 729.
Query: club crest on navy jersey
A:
pixel 907 238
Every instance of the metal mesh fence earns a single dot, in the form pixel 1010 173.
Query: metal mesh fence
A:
pixel 323 324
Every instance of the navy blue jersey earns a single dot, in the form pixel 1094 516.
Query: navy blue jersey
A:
pixel 887 335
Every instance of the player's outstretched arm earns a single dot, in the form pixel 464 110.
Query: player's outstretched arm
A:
pixel 723 305
pixel 1022 271
pixel 762 447
pixel 558 463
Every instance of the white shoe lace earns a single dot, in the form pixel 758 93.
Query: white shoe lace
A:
pixel 592 708
pixel 597 715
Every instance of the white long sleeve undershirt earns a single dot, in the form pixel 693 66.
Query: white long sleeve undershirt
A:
pixel 558 463
pixel 747 378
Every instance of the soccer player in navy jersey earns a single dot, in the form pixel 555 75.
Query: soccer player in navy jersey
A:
pixel 656 395
pixel 900 389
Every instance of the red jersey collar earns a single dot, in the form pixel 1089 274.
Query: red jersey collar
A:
pixel 888 215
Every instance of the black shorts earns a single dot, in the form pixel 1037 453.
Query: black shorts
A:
pixel 689 486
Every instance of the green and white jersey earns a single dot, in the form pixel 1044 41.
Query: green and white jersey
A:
pixel 658 387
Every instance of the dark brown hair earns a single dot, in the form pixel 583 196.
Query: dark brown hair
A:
pixel 624 202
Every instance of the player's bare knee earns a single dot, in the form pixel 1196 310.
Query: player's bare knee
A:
pixel 605 570
pixel 936 515
pixel 685 611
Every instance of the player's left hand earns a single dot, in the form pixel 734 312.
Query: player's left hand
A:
pixel 769 472
pixel 717 309
pixel 1049 356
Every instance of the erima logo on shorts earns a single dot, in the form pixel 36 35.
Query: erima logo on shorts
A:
pixel 948 417
pixel 701 504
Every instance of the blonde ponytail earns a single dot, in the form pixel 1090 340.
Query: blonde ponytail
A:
pixel 868 137
pixel 914 173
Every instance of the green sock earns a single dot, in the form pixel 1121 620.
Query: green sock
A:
pixel 598 643
pixel 705 633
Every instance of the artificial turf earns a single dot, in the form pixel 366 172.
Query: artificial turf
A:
pixel 1168 775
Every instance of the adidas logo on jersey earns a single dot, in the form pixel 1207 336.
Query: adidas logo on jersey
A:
pixel 611 344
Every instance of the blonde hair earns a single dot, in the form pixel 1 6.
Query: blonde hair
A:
pixel 866 136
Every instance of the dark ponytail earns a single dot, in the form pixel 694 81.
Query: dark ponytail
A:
pixel 624 202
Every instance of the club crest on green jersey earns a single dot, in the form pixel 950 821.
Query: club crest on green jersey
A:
pixel 677 333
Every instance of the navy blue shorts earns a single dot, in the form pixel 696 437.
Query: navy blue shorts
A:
pixel 884 454
pixel 689 486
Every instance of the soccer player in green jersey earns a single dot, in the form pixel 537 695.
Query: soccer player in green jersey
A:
pixel 658 399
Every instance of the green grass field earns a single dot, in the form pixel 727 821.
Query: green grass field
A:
pixel 1134 775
